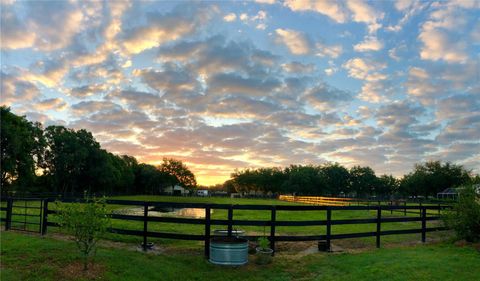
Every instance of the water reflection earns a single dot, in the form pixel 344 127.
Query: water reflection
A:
pixel 164 212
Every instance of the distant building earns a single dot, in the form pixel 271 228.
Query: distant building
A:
pixel 452 193
pixel 202 192
pixel 176 190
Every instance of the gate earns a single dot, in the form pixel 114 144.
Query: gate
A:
pixel 24 214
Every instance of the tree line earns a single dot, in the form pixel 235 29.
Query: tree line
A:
pixel 332 179
pixel 67 161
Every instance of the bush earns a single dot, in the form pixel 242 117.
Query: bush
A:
pixel 464 218
pixel 87 222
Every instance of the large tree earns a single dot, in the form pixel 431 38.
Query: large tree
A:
pixel 180 174
pixel 22 145
pixel 363 181
pixel 431 177
pixel 337 179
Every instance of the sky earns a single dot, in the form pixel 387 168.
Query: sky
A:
pixel 234 84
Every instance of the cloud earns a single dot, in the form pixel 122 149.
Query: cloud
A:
pixel 216 54
pixel 296 42
pixel 88 90
pixel 38 29
pixel 230 17
pixel 326 98
pixel 162 28
pixel 15 90
pixel 265 1
pixel 15 34
pixel 365 69
pixel 57 104
pixel 298 67
pixel 332 51
pixel 229 83
pixel 332 9
pixel 440 37
pixel 370 43
pixel 172 79
pixel 362 12
pixel 299 43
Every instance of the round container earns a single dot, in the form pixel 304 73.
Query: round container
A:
pixel 264 256
pixel 229 251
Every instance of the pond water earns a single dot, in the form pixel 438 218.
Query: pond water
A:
pixel 164 212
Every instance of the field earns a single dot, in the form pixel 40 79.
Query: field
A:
pixel 402 257
pixel 253 215
pixel 30 257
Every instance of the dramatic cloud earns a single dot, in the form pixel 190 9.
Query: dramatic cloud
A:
pixel 229 85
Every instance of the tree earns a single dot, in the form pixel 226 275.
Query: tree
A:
pixel 337 179
pixel 87 222
pixel 432 177
pixel 70 153
pixel 387 186
pixel 464 218
pixel 22 146
pixel 150 180
pixel 180 174
pixel 363 181
pixel 306 180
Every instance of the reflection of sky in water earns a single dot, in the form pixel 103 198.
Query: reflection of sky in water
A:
pixel 170 212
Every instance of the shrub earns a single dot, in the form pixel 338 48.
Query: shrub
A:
pixel 87 222
pixel 464 218
pixel 263 243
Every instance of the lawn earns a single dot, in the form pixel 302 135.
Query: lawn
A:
pixel 31 257
pixel 250 215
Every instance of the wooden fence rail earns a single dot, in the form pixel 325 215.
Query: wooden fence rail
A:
pixel 272 222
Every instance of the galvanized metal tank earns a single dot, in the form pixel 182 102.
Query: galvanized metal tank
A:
pixel 229 251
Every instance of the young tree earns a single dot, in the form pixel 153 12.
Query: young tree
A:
pixel 465 215
pixel 87 222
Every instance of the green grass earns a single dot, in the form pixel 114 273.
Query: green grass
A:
pixel 244 215
pixel 30 257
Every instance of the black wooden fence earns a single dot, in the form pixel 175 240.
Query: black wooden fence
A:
pixel 272 223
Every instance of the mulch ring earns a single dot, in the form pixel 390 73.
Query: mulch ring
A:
pixel 74 271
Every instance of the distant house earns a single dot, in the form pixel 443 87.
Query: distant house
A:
pixel 449 193
pixel 176 190
pixel 452 193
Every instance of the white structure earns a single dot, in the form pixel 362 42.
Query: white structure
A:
pixel 202 192
pixel 176 190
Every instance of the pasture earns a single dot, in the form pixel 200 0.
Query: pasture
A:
pixel 30 257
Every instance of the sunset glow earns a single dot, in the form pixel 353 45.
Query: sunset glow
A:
pixel 230 85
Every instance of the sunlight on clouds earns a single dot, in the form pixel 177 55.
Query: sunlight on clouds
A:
pixel 384 84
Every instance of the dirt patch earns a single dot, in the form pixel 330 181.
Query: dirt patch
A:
pixel 464 243
pixel 74 271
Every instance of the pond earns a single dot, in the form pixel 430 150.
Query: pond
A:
pixel 198 213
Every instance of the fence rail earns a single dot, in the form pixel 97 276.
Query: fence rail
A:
pixel 272 222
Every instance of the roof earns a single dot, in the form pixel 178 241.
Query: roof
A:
pixel 449 190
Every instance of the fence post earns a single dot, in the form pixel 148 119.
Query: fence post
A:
pixel 391 205
pixel 207 231
pixel 329 228
pixel 272 229
pixel 145 225
pixel 424 223
pixel 230 220
pixel 8 222
pixel 45 217
pixel 379 223
pixel 405 209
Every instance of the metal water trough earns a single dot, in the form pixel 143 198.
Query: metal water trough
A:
pixel 229 251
